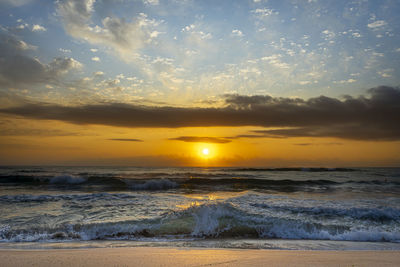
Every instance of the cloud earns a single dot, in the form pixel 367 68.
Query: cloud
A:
pixel 201 139
pixel 125 139
pixel 328 35
pixel 386 73
pixel 98 73
pixel 345 81
pixel 17 67
pixel 97 59
pixel 64 50
pixel 16 3
pixel 35 132
pixel 275 61
pixel 317 144
pixel 124 37
pixel 305 82
pixel 264 12
pixel 352 132
pixel 38 28
pixel 237 33
pixel 377 24
pixel 364 118
pixel 62 65
pixel 151 2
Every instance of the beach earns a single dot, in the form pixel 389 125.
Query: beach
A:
pixel 195 257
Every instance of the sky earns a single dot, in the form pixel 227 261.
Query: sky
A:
pixel 155 83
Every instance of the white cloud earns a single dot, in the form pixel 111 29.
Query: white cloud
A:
pixel 377 24
pixel 62 65
pixel 97 59
pixel 348 58
pixel 263 12
pixel 38 28
pixel 64 50
pixel 22 26
pixel 274 60
pixel 188 28
pixel 151 2
pixel 305 82
pixel 98 73
pixel 376 54
pixel 237 33
pixel 345 81
pixel 123 36
pixel 109 83
pixel 328 35
pixel 154 34
pixel 15 2
pixel 386 73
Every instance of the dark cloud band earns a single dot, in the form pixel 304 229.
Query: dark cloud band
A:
pixel 125 139
pixel 364 118
pixel 201 139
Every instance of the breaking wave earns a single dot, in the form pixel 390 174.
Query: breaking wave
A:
pixel 209 220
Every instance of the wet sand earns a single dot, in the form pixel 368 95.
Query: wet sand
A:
pixel 144 256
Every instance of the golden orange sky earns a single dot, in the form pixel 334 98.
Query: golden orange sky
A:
pixel 59 143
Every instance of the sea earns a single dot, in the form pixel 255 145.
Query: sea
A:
pixel 246 208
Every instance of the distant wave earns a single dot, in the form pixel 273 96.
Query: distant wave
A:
pixel 296 169
pixel 209 220
pixel 204 182
pixel 152 184
pixel 67 179
pixel 75 197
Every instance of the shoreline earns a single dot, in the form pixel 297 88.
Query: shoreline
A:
pixel 223 243
pixel 173 256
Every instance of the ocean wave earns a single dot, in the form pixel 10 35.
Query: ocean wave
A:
pixel 205 183
pixel 207 220
pixel 293 169
pixel 67 179
pixel 371 214
pixel 75 197
pixel 159 184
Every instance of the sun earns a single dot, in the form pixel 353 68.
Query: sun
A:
pixel 206 151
